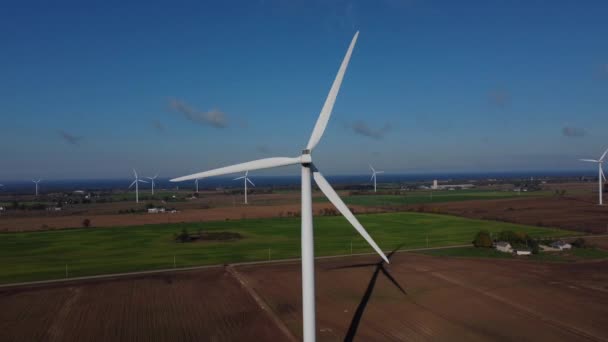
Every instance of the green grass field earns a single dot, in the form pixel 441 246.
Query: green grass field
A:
pixel 424 197
pixel 44 255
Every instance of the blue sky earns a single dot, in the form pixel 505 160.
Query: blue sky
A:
pixel 90 91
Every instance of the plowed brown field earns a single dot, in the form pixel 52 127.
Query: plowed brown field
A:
pixel 205 305
pixel 447 299
pixel 579 213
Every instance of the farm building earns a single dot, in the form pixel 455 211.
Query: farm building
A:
pixel 156 210
pixel 523 252
pixel 503 246
pixel 561 245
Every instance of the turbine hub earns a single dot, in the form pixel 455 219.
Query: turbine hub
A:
pixel 306 158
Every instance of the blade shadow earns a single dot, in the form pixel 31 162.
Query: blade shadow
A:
pixel 358 315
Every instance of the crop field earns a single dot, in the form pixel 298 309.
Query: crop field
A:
pixel 424 197
pixel 207 305
pixel 29 256
pixel 443 299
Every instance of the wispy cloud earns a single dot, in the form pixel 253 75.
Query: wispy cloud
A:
pixel 214 117
pixel 573 132
pixel 158 126
pixel 362 128
pixel 499 97
pixel 70 138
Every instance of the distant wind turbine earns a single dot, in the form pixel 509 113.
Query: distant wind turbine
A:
pixel 601 175
pixel 196 185
pixel 36 182
pixel 152 181
pixel 136 183
pixel 307 169
pixel 374 173
pixel 245 180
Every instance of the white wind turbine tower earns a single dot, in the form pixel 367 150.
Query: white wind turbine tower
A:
pixel 374 173
pixel 308 168
pixel 136 183
pixel 196 184
pixel 601 175
pixel 152 181
pixel 36 182
pixel 245 180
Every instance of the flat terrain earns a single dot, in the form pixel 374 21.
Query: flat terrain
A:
pixel 445 299
pixel 29 256
pixel 207 305
pixel 213 206
pixel 441 298
pixel 579 213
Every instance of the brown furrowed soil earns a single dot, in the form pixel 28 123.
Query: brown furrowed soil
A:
pixel 202 305
pixel 446 299
pixel 13 224
pixel 580 213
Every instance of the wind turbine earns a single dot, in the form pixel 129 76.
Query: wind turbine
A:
pixel 600 173
pixel 152 181
pixel 36 182
pixel 245 180
pixel 196 184
pixel 307 168
pixel 136 183
pixel 374 173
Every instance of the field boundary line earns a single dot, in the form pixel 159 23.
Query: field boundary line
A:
pixel 262 303
pixel 247 263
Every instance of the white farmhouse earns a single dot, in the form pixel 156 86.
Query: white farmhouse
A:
pixel 561 245
pixel 503 246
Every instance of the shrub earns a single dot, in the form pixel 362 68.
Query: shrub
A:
pixel 183 236
pixel 579 243
pixel 86 223
pixel 483 239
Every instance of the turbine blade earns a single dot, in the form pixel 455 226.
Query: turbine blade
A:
pixel 239 178
pixel 377 172
pixel 343 209
pixel 373 176
pixel 142 181
pixel 130 186
pixel 135 173
pixel 603 155
pixel 371 167
pixel 603 176
pixel 250 182
pixel 323 119
pixel 590 160
pixel 252 165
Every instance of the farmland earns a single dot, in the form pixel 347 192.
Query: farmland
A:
pixel 42 255
pixel 426 197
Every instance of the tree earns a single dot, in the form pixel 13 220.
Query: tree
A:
pixel 86 223
pixel 483 239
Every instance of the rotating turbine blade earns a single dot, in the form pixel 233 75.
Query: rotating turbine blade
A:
pixel 590 160
pixel 252 165
pixel 373 176
pixel 603 156
pixel 321 124
pixel 130 186
pixel 603 176
pixel 135 173
pixel 343 209
pixel 250 182
pixel 239 178
pixel 142 181
pixel 372 168
pixel 377 172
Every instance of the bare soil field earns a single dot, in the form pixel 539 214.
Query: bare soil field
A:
pixel 443 299
pixel 13 224
pixel 204 305
pixel 580 213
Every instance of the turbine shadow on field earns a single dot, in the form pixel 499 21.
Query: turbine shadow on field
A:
pixel 379 268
